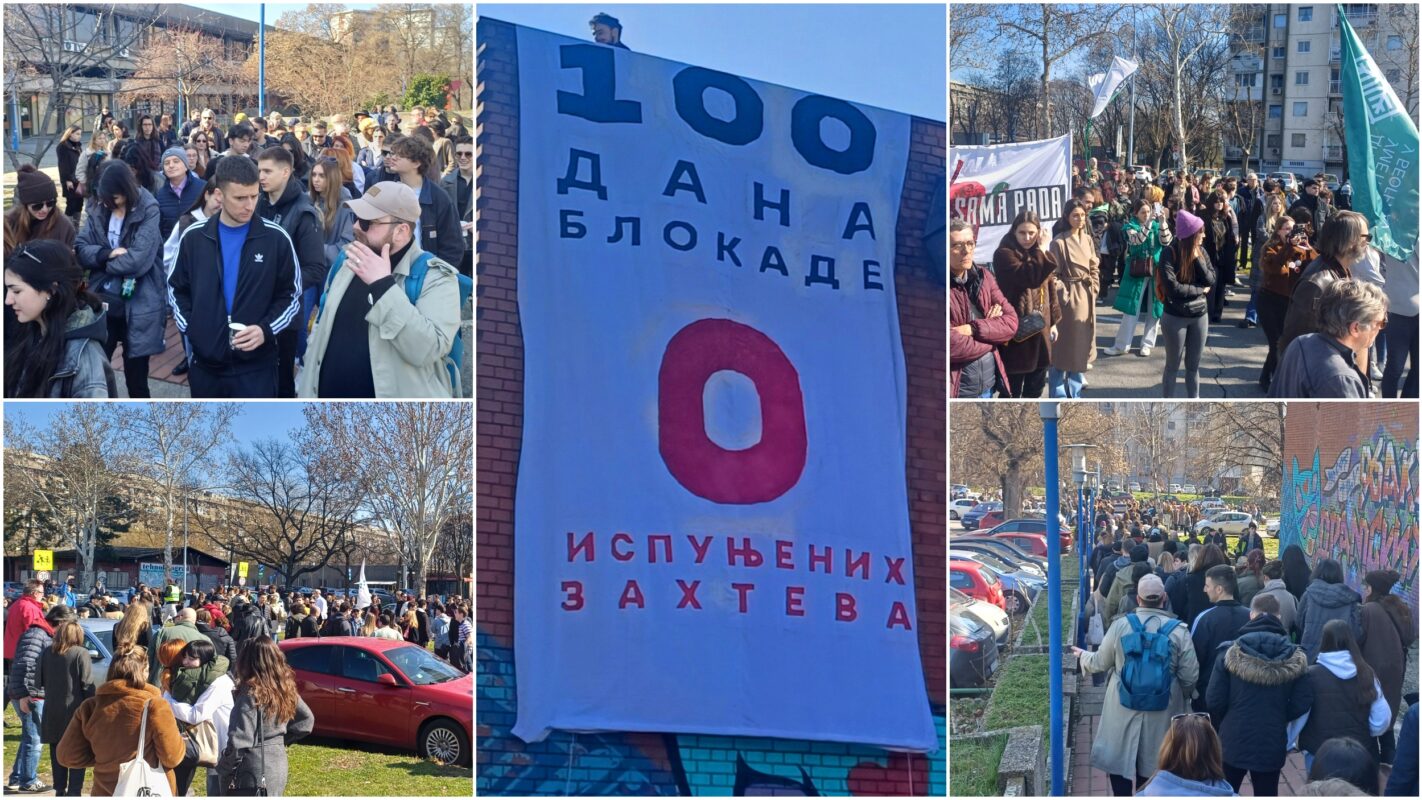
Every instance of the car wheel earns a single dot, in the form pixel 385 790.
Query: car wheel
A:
pixel 443 742
pixel 1016 603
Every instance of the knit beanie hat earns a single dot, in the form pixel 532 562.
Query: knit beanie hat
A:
pixel 1187 224
pixel 178 153
pixel 33 186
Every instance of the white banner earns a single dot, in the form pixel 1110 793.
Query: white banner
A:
pixel 1103 84
pixel 988 186
pixel 711 513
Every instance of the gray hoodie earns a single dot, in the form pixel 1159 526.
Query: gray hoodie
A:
pixel 1322 602
pixel 1288 604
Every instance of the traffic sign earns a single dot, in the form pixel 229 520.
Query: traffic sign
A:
pixel 44 560
pixel 241 569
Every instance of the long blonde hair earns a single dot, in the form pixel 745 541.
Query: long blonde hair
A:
pixel 327 202
pixel 1271 217
pixel 135 621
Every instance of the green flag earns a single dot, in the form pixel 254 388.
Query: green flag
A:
pixel 1382 148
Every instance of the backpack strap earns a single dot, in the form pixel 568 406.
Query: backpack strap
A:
pixel 1168 627
pixel 1135 622
pixel 330 278
pixel 415 282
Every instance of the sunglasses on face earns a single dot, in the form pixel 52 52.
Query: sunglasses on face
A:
pixel 464 154
pixel 1191 714
pixel 1367 237
pixel 367 224
pixel 44 205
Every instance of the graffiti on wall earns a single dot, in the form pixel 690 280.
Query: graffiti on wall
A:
pixel 654 764
pixel 1358 507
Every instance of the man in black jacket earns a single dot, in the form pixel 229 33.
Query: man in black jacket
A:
pixel 234 287
pixel 1217 624
pixel 283 202
pixel 410 160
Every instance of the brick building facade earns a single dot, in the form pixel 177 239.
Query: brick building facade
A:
pixel 669 763
pixel 1350 487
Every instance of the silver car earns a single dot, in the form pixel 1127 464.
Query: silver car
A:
pixel 99 640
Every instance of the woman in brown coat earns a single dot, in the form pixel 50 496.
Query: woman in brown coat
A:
pixel 1024 274
pixel 104 732
pixel 1078 281
pixel 1283 259
pixel 1388 633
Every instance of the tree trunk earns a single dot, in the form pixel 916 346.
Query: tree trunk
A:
pixel 168 537
pixel 1179 113
pixel 1012 490
pixel 1046 79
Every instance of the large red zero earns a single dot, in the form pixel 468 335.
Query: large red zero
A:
pixel 757 474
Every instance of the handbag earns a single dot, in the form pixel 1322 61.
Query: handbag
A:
pixel 1034 321
pixel 241 782
pixel 1095 629
pixel 136 778
pixel 1140 267
pixel 201 743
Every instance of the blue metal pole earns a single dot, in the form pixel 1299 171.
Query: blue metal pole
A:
pixel 1085 543
pixel 1054 593
pixel 262 62
pixel 15 120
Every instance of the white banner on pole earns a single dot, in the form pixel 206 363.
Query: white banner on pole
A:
pixel 990 185
pixel 711 513
pixel 1104 84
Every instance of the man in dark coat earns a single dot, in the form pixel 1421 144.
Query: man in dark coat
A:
pixel 222 641
pixel 981 321
pixel 1217 624
pixel 1258 685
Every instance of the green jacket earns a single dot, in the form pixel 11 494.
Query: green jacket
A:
pixel 1141 242
pixel 190 682
pixel 185 631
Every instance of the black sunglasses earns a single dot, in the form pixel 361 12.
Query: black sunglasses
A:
pixel 367 224
pixel 42 206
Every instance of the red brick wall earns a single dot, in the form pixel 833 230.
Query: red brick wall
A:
pixel 507 765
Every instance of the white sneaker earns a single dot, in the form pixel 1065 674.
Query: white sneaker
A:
pixel 1145 351
pixel 1112 351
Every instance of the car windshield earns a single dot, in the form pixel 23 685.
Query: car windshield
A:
pixel 104 636
pixel 420 666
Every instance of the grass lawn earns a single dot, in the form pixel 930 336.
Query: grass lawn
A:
pixel 972 770
pixel 322 767
pixel 1069 572
pixel 1020 697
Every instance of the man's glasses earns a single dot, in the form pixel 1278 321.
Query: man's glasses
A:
pixel 43 206
pixel 1367 237
pixel 963 246
pixel 385 152
pixel 367 224
pixel 464 154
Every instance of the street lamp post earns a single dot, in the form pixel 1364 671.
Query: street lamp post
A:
pixel 1079 475
pixel 1050 455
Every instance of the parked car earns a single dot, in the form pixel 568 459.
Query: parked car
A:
pixel 1019 588
pixel 13 590
pixel 977 581
pixel 1188 488
pixel 1003 546
pixel 1064 534
pixel 1135 486
pixel 959 507
pixel 385 692
pixel 1287 180
pixel 974 519
pixel 1000 550
pixel 1230 522
pixel 972 659
pixel 1035 543
pixel 1141 172
pixel 985 614
pixel 1271 527
pixel 1331 180
pixel 958 490
pixel 99 640
pixel 1173 488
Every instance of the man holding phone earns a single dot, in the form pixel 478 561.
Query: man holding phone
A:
pixel 232 314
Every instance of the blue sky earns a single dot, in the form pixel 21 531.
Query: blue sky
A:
pixel 257 420
pixel 891 56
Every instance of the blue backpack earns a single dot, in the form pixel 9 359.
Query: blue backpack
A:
pixel 1145 681
pixel 414 284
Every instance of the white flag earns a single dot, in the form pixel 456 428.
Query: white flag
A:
pixel 1104 84
pixel 363 589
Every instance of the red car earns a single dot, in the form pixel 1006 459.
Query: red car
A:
pixel 1034 543
pixel 976 581
pixel 385 692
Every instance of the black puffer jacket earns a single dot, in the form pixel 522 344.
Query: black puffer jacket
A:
pixel 1185 299
pixel 1213 627
pixel 1259 683
pixel 221 640
pixel 20 681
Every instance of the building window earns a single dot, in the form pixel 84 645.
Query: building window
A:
pixel 1299 140
pixel 1276 112
pixel 1281 20
pixel 1394 42
pixel 1276 81
pixel 1279 51
pixel 1301 78
pixel 1305 46
pixel 1301 109
pixel 1245 80
pixel 1305 13
pixel 1273 139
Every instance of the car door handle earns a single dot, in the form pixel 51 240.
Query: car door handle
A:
pixel 345 690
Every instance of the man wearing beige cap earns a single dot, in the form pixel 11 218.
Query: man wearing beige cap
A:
pixel 370 339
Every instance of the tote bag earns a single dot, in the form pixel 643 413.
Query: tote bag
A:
pixel 136 778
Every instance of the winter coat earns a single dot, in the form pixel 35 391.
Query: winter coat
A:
pixel 1141 243
pixel 104 735
pixel 439 223
pixel 67 681
pixel 1177 588
pixel 1288 604
pixel 146 310
pixel 1388 633
pixel 1403 780
pixel 341 232
pixel 23 678
pixel 1336 711
pixel 1127 741
pixel 1223 248
pixel 408 343
pixel 221 639
pixel 1167 784
pixel 1213 627
pixel 1247 586
pixel 1026 278
pixel 1318 366
pixel 1276 274
pixel 172 205
pixel 450 184
pixel 1120 588
pixel 1196 601
pixel 1322 602
pixel 1302 316
pixel 186 631
pixel 213 705
pixel 150 153
pixel 1078 282
pixel 295 214
pixel 1185 300
pixel 83 371
pixel 978 293
pixel 190 682
pixel 1258 685
pixel 300 626
pixel 260 754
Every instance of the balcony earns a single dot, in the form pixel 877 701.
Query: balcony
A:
pixel 1333 152
pixel 1334 88
pixel 1335 55
pixel 1247 64
pixel 1233 152
pixel 1360 15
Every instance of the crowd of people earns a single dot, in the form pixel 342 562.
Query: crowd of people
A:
pixel 196 679
pixel 327 259
pixel 1218 667
pixel 1177 249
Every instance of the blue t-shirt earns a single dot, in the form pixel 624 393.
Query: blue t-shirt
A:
pixel 231 240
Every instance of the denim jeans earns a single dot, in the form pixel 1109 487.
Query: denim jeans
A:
pixel 26 768
pixel 1066 384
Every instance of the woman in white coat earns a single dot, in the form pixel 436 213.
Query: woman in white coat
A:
pixel 207 674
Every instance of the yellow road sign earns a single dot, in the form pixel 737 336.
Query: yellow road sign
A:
pixel 44 560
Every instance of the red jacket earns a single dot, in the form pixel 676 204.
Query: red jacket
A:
pixel 988 334
pixel 23 613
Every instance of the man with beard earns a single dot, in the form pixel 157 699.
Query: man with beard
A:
pixel 370 338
